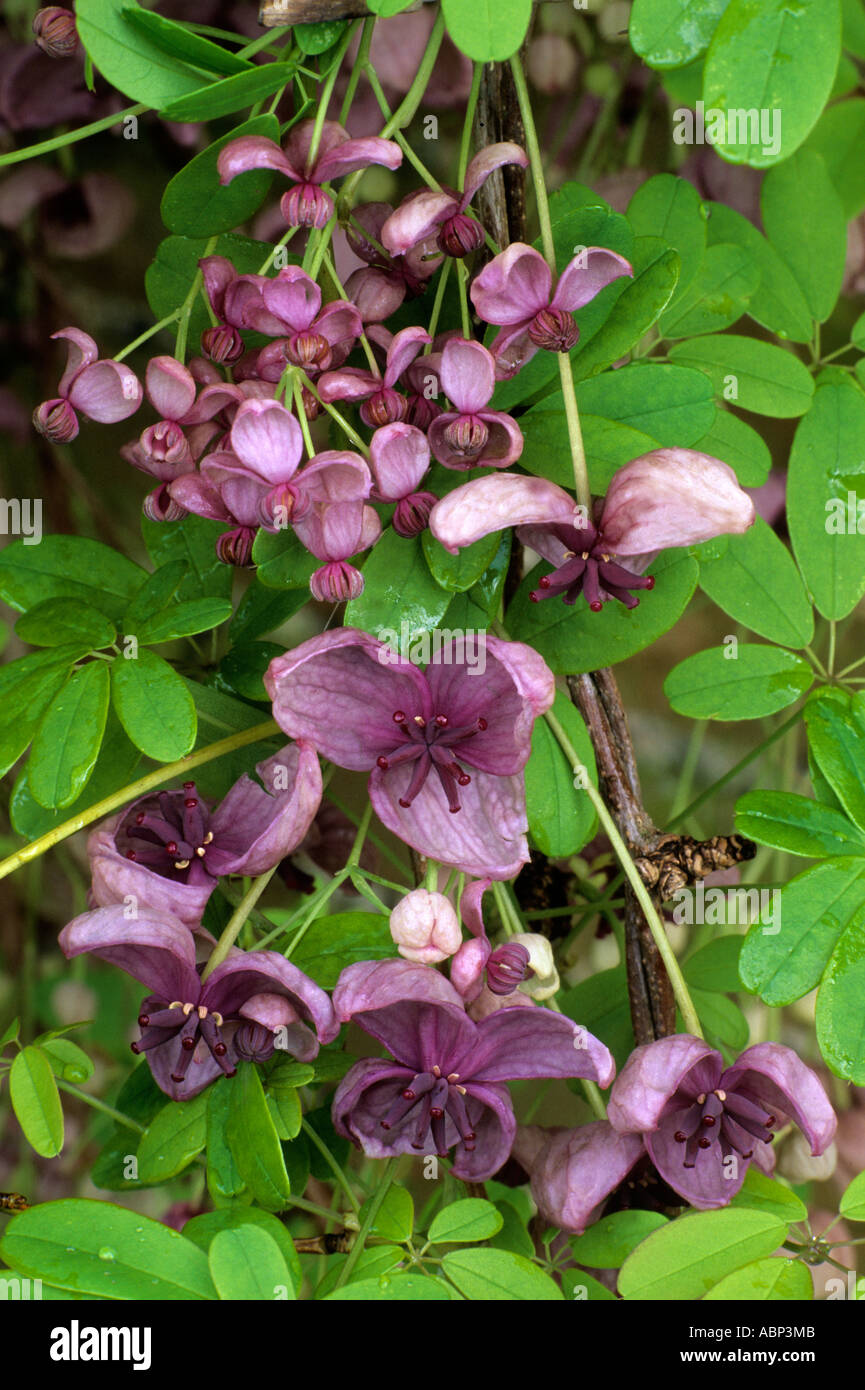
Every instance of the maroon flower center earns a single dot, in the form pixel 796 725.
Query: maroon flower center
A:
pixel 384 407
pixel 725 1118
pixel 553 329
pixel 309 349
pixel 588 567
pixel 425 1105
pixel 431 743
pixel 171 837
pixel 460 235
pixel 467 435
pixel 187 1023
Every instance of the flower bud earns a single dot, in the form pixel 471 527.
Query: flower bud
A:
pixel 159 505
pixel 235 547
pixel 421 412
pixel 551 63
pixel 798 1164
pixel 412 513
pixel 425 927
pixel 554 329
pixel 542 980
pixel 507 967
pixel 222 343
pixel 55 31
pixel 312 408
pixel 284 504
pixel 467 435
pixel 253 1042
pixel 166 442
pixel 309 350
pixel 336 582
pixel 306 205
pixel 56 420
pixel 385 407
pixel 460 235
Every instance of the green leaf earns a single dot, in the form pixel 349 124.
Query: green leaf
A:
pixel 374 1261
pixel 465 1221
pixel 184 620
pixel 835 721
pixel 331 943
pixel 261 611
pixel 392 1288
pixel 772 57
pixel 386 8
pixel 231 94
pixel 196 204
pixel 561 816
pixel 118 760
pixel 685 1258
pixel 838 137
pixel 575 639
pixel 750 374
pixel 723 1021
pixel 154 706
pixel 777 303
pixel 201 1230
pixel 814 248
pixel 97 1248
pixel 582 1287
pixel 318 38
pixel 757 681
pixel 839 1004
pixel 400 594
pixel 672 404
pixel 286 1114
pixel 183 43
pixel 60 620
pixel 853 1202
pixel 759 1192
pixel 757 583
pixel 668 207
pixel 173 1139
pixel 783 960
pixel 600 1004
pixel 457 573
pixel 487 31
pixel 223 1179
pixel 254 1141
pixel 167 281
pixel 283 562
pixel 639 306
pixel 68 567
pixel 671 33
pixel 127 58
pixel 395 1219
pixel 67 743
pixel 192 541
pixel 717 297
pixel 247 1264
pixel 67 1059
pixel 10 1032
pixel 823 507
pixel 765 1281
pixel 715 967
pixel 244 666
pixel 608 444
pixel 36 1101
pixel 27 687
pixel 496 1275
pixel 737 444
pixel 608 1243
pixel 797 824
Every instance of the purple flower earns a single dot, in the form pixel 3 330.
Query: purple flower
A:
pixel 100 389
pixel 166 851
pixel 470 436
pixel 307 205
pixel 573 1171
pixel 54 28
pixel 703 1125
pixel 399 457
pixel 443 214
pixel 516 291
pixel 670 497
pixel 333 531
pixel 382 404
pixel 380 286
pixel 163 449
pixel 507 966
pixel 193 1032
pixel 366 708
pixel 444 1086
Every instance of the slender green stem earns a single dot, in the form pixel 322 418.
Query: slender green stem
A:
pixel 740 766
pixel 656 926
pixel 575 433
pixel 301 416
pixel 437 303
pixel 101 1106
pixel 340 289
pixel 462 283
pixel 237 921
pixel 413 97
pixel 368 1222
pixel 133 791
pixel 84 132
pixel 854 665
pixel 326 92
pixel 315 1138
pixel 360 63
pixel 816 662
pixel 271 256
pixel 186 306
pixel 148 333
pixel 465 142
pixel 830 659
pixel 347 429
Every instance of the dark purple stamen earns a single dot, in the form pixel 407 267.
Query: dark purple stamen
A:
pixel 588 569
pixel 186 1023
pixel 725 1118
pixel 170 836
pixel 431 744
pixel 428 1101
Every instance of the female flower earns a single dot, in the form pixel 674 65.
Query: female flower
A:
pixel 443 1090
pixel 366 708
pixel 194 1031
pixel 574 1171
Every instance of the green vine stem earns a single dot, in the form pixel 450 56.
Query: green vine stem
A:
pixel 237 921
pixel 375 1206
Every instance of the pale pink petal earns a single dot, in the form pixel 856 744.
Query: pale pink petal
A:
pixel 106 391
pixel 513 287
pixel 292 297
pixel 485 161
pixel 586 275
pixel 399 458
pixel 467 375
pixel 672 497
pixel 339 322
pixel 335 475
pixel 493 503
pixel 170 387
pixel 197 495
pixel 404 349
pixel 253 152
pixel 267 439
pixel 350 155
pixel 349 384
pixel 81 352
pixel 512 349
pixel 417 218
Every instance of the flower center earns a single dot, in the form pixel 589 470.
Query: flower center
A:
pixel 467 435
pixel 724 1118
pixel 589 569
pixel 171 837
pixel 553 329
pixel 427 1103
pixel 187 1023
pixel 431 744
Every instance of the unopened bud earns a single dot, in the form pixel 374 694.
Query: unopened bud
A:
pixel 235 547
pixel 421 412
pixel 336 582
pixel 385 407
pixel 309 350
pixel 222 343
pixel 460 235
pixel 55 31
pixel 425 927
pixel 312 408
pixel 797 1163
pixel 306 205
pixel 412 513
pixel 507 967
pixel 542 980
pixel 253 1042
pixel 159 505
pixel 166 442
pixel 554 329
pixel 551 63
pixel 56 420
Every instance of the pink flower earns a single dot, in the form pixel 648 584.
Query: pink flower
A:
pixel 399 457
pixel 669 497
pixel 443 214
pixel 163 449
pixel 573 1171
pixel 516 291
pixel 384 715
pixel 470 436
pixel 382 403
pixel 307 205
pixel 101 389
pixel 379 287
